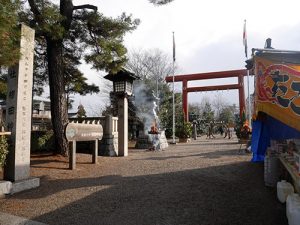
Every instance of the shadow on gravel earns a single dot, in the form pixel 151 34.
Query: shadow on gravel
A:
pixel 223 195
pixel 215 143
pixel 41 163
pixel 211 142
pixel 210 155
pixel 60 163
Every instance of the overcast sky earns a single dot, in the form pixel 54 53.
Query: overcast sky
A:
pixel 208 34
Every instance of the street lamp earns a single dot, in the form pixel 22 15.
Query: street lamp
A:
pixel 122 88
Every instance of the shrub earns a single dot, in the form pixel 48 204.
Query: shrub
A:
pixel 185 130
pixel 169 133
pixel 3 150
pixel 42 141
pixel 241 130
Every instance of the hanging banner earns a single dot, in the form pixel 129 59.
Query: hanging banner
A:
pixel 277 89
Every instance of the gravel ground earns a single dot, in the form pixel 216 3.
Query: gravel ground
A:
pixel 203 182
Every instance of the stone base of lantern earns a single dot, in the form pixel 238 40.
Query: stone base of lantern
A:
pixel 109 145
pixel 143 142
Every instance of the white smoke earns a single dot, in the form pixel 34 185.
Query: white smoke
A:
pixel 147 108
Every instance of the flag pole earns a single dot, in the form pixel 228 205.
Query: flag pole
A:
pixel 173 93
pixel 249 100
pixel 248 73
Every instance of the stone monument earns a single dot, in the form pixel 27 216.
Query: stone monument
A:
pixel 18 116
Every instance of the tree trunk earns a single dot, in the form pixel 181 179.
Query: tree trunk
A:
pixel 59 110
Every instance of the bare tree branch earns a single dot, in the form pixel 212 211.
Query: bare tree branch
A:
pixel 36 11
pixel 86 6
pixel 34 8
pixel 160 2
pixel 40 52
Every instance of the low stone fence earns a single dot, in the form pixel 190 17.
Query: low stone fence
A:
pixel 3 133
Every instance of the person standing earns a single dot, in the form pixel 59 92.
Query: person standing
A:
pixel 210 130
pixel 227 131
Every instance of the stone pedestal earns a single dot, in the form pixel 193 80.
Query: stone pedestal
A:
pixel 109 145
pixel 163 140
pixel 109 142
pixel 25 184
pixel 150 141
pixel 5 187
pixel 123 126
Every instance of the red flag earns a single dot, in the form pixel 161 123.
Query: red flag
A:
pixel 174 58
pixel 245 39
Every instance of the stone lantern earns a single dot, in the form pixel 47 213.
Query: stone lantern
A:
pixel 122 88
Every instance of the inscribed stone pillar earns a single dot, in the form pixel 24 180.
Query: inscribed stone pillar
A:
pixel 123 126
pixel 18 110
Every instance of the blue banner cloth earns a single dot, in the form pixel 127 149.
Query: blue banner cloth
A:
pixel 259 141
pixel 264 131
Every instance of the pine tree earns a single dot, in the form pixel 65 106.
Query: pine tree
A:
pixel 81 111
pixel 97 39
pixel 9 33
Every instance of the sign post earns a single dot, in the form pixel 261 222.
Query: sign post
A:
pixel 83 132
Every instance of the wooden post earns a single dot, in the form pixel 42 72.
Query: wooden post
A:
pixel 95 152
pixel 72 156
pixel 241 95
pixel 185 100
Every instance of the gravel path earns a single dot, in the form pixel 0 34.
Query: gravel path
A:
pixel 203 182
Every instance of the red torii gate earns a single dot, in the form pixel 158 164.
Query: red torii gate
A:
pixel 211 75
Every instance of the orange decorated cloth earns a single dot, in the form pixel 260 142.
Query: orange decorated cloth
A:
pixel 277 90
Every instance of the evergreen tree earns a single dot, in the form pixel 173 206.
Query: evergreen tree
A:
pixel 3 87
pixel 97 39
pixel 9 33
pixel 208 113
pixel 81 111
pixel 9 40
pixel 227 114
pixel 76 82
pixel 166 112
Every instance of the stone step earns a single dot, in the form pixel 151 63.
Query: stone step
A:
pixel 5 187
pixel 8 187
pixel 8 219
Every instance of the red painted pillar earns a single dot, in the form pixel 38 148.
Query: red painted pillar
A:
pixel 185 100
pixel 241 94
